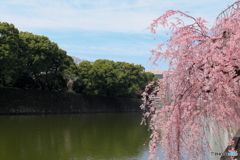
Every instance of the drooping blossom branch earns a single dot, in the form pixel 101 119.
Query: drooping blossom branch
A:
pixel 201 87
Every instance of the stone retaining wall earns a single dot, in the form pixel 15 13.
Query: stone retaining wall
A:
pixel 17 101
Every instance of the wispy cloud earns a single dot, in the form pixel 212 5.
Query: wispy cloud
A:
pixel 102 29
pixel 120 49
pixel 103 15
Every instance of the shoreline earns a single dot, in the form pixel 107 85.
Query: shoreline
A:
pixel 15 101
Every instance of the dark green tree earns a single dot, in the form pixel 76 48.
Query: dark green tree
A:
pixel 103 77
pixel 83 81
pixel 8 52
pixel 109 78
pixel 43 63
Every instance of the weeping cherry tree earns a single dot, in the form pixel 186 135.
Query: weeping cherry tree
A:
pixel 201 87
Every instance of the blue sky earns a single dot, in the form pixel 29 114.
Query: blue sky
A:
pixel 103 29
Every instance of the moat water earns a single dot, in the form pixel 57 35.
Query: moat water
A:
pixel 100 136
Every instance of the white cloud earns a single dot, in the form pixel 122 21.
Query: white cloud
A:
pixel 103 15
pixel 57 18
pixel 120 49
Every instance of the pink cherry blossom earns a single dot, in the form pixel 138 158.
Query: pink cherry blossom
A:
pixel 201 87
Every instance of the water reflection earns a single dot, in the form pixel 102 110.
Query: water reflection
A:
pixel 73 137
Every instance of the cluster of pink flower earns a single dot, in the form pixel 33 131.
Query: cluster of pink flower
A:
pixel 203 84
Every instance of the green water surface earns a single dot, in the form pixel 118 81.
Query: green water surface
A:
pixel 74 137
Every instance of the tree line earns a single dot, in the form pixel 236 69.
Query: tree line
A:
pixel 31 61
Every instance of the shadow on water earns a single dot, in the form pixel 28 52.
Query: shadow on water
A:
pixel 74 137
